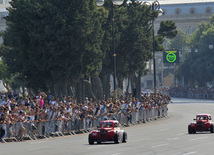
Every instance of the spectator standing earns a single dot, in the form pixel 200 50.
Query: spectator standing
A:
pixel 64 100
pixel 6 102
pixel 42 96
pixel 52 101
pixel 26 102
pixel 1 99
pixel 3 127
pixel 68 109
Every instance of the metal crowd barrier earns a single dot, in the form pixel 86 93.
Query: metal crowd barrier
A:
pixel 45 129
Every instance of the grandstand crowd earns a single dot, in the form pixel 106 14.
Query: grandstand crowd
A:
pixel 200 92
pixel 42 108
pixel 181 89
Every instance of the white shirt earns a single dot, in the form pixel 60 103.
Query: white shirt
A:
pixel 68 110
pixel 7 103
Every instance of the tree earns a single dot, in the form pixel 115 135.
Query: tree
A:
pixel 136 44
pixel 53 42
pixel 133 40
pixel 181 40
pixel 134 48
pixel 197 69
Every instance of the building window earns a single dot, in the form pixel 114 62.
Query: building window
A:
pixel 193 30
pixel 177 11
pixel 142 85
pixel 147 65
pixel 192 11
pixel 2 18
pixel 7 1
pixel 208 10
pixel 149 83
pixel 189 31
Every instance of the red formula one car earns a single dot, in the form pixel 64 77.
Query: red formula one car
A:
pixel 109 130
pixel 203 123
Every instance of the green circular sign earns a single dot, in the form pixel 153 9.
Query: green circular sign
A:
pixel 171 57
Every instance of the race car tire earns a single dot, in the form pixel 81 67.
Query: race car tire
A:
pixel 189 130
pixel 116 138
pixel 211 128
pixel 98 142
pixel 124 137
pixel 194 131
pixel 90 140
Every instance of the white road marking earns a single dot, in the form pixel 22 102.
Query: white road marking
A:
pixel 137 140
pixel 40 142
pixel 116 154
pixel 95 147
pixel 164 129
pixel 180 134
pixel 160 145
pixel 44 147
pixel 173 138
pixel 190 153
pixel 198 138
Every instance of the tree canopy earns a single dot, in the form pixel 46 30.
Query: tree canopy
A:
pixel 181 40
pixel 198 68
pixel 53 42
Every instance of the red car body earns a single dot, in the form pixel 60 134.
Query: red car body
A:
pixel 109 130
pixel 203 123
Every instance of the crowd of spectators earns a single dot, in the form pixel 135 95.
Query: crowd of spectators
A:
pixel 41 108
pixel 190 92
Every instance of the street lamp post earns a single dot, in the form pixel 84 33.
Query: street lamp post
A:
pixel 155 6
pixel 114 2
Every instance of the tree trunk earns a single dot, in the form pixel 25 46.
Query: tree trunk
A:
pixel 30 92
pixel 132 87
pixel 5 86
pixel 89 90
pixel 69 90
pixel 83 91
pixel 127 88
pixel 52 90
pixel 64 88
pixel 57 90
pixel 98 87
pixel 120 83
pixel 23 91
pixel 79 91
pixel 138 85
pixel 106 86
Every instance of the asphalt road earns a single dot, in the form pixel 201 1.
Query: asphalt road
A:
pixel 163 137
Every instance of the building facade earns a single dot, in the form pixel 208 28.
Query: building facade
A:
pixel 187 14
pixel 3 12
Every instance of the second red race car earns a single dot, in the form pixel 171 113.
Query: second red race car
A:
pixel 109 130
pixel 203 123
